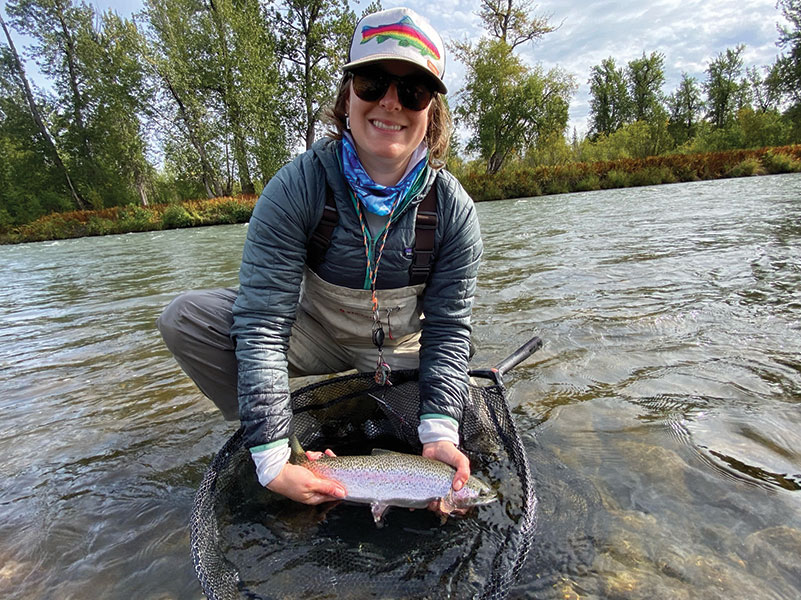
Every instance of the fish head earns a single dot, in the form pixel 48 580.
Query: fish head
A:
pixel 474 493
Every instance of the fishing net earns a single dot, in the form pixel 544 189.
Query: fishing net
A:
pixel 250 543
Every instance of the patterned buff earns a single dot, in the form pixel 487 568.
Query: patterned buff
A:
pixel 376 198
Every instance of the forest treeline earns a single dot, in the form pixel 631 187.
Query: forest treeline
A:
pixel 192 99
pixel 515 182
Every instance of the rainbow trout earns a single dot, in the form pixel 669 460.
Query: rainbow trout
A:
pixel 387 478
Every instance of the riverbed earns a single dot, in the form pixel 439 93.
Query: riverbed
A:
pixel 662 416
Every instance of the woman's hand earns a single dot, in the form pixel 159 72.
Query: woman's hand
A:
pixel 300 484
pixel 448 453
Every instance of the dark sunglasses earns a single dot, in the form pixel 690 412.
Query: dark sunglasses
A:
pixel 414 91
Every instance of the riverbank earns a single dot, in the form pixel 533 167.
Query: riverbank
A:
pixel 512 183
pixel 624 173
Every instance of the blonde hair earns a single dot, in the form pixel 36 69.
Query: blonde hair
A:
pixel 438 132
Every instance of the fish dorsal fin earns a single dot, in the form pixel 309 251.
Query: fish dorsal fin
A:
pixel 297 454
pixel 383 452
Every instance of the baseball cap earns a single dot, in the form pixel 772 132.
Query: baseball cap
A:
pixel 398 34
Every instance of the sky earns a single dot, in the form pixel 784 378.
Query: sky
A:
pixel 690 34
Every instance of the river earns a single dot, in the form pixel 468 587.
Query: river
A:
pixel 661 417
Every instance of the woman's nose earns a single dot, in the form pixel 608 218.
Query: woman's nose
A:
pixel 390 99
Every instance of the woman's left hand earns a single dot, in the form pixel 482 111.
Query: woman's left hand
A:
pixel 448 453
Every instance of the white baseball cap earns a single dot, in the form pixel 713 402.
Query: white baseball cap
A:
pixel 398 34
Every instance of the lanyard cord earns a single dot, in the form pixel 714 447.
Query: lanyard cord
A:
pixel 372 269
pixel 383 370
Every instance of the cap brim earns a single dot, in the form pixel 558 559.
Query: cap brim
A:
pixel 375 58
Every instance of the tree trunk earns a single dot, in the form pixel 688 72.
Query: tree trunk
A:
pixel 210 181
pixel 37 117
pixel 77 97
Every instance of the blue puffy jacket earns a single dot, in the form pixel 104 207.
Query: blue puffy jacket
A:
pixel 283 221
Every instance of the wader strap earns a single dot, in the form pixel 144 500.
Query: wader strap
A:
pixel 424 229
pixel 321 238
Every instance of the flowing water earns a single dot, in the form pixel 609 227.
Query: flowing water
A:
pixel 661 417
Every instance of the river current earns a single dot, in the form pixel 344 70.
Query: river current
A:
pixel 662 417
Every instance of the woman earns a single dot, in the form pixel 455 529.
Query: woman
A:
pixel 353 306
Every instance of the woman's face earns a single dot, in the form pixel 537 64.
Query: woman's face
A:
pixel 386 133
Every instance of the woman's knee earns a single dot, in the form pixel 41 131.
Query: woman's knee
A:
pixel 174 319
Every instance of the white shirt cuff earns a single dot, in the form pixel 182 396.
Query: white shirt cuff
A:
pixel 438 429
pixel 270 461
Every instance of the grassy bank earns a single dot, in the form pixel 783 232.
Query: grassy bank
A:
pixel 125 219
pixel 525 182
pixel 517 182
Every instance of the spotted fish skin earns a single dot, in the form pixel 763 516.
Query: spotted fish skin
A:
pixel 385 479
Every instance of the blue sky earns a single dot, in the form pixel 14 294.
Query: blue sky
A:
pixel 690 33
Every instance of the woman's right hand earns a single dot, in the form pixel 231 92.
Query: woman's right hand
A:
pixel 302 485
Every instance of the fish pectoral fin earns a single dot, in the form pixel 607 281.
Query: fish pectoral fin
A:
pixel 446 506
pixel 378 512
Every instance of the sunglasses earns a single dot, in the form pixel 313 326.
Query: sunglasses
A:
pixel 414 91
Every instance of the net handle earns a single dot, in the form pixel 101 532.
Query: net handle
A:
pixel 497 372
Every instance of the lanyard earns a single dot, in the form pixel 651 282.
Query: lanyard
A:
pixel 382 370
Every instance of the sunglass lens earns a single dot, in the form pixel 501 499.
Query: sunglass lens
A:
pixel 370 86
pixel 413 92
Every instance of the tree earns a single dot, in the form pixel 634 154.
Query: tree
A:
pixel 175 52
pixel 609 99
pixel 788 66
pixel 219 107
pixel 22 79
pixel 686 107
pixel 96 83
pixel 506 105
pixel 510 21
pixel 646 76
pixel 726 92
pixel 313 38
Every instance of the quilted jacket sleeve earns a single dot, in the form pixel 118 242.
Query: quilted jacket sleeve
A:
pixel 270 278
pixel 448 303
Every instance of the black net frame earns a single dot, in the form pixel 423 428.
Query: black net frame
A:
pixel 351 413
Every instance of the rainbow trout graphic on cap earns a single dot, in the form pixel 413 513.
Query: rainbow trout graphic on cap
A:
pixel 405 32
pixel 398 34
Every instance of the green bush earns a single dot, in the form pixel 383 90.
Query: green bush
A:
pixel 777 162
pixel 616 179
pixel 588 184
pixel 232 212
pixel 746 168
pixel 176 216
pixel 137 218
pixel 100 226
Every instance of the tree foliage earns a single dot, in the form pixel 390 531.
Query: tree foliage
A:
pixel 211 97
pixel 725 89
pixel 507 106
pixel 646 76
pixel 609 98
pixel 686 107
pixel 313 41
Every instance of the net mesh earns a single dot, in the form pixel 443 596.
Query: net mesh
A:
pixel 250 543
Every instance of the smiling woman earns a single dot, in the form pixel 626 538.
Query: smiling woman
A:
pixel 372 194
